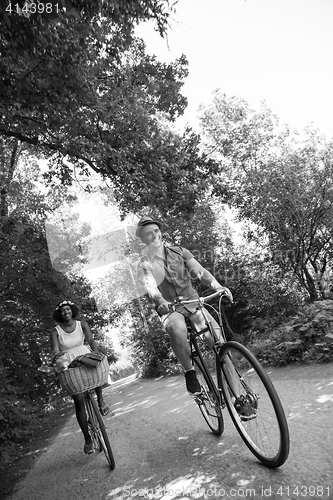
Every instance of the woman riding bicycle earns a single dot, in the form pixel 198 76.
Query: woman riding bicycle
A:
pixel 67 343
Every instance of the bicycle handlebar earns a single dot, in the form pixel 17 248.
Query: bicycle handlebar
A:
pixel 201 300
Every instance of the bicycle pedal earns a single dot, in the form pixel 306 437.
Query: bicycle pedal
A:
pixel 198 398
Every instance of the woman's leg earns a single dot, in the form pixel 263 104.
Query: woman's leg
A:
pixel 102 406
pixel 82 416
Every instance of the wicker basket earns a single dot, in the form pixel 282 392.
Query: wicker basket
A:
pixel 83 378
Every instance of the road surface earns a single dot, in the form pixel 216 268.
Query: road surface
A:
pixel 164 450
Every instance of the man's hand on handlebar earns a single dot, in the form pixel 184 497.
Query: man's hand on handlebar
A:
pixel 163 308
pixel 226 292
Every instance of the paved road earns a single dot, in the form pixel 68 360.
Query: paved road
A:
pixel 163 448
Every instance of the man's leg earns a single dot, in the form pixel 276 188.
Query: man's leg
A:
pixel 176 328
pixel 199 322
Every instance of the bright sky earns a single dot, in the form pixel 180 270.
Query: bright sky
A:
pixel 279 51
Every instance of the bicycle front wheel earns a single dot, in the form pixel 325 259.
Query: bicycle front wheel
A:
pixel 98 431
pixel 254 405
pixel 208 401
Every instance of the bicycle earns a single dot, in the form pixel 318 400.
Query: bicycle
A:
pixel 239 381
pixel 97 428
pixel 83 379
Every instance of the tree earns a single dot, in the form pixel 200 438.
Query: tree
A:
pixel 10 151
pixel 24 30
pixel 85 104
pixel 281 182
pixel 86 96
pixel 30 287
pixel 81 91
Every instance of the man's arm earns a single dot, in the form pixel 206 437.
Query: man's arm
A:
pixel 197 271
pixel 149 284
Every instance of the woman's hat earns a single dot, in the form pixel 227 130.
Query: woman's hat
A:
pixel 57 316
pixel 144 221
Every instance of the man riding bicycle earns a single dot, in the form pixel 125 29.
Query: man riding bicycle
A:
pixel 165 272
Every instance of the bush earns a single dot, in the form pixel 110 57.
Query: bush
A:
pixel 148 343
pixel 307 337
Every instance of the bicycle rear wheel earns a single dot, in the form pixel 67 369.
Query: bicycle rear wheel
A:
pixel 98 431
pixel 208 401
pixel 261 422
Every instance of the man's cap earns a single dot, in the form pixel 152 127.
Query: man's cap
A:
pixel 144 221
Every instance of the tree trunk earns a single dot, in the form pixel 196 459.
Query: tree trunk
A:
pixel 311 285
pixel 321 277
pixel 7 167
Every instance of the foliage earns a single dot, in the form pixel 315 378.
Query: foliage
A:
pixel 83 93
pixel 306 337
pixel 27 32
pixel 281 182
pixel 150 345
pixel 20 416
pixel 30 288
pixel 262 292
pixel 142 337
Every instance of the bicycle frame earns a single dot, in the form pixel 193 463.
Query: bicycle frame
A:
pixel 193 333
pixel 195 351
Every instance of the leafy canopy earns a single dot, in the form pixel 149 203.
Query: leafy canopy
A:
pixel 280 181
pixel 81 91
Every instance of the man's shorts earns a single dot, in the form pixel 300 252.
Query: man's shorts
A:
pixel 188 311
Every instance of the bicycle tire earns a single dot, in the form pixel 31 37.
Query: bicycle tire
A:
pixel 209 400
pixel 100 437
pixel 266 431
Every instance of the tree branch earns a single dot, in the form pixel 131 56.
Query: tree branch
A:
pixel 10 133
pixel 53 147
